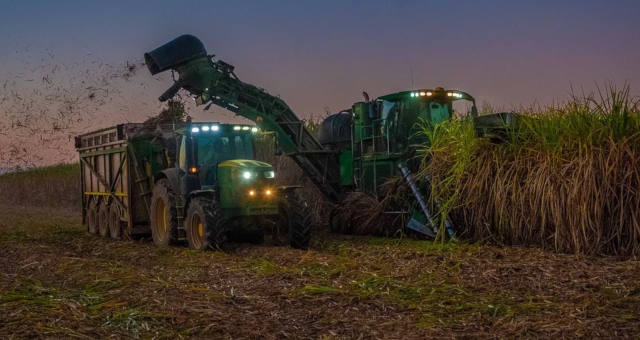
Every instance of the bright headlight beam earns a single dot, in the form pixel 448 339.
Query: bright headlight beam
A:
pixel 205 128
pixel 236 128
pixel 215 128
pixel 245 128
pixel 246 175
pixel 254 129
pixel 195 129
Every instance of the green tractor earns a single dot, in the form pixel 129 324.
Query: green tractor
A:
pixel 218 190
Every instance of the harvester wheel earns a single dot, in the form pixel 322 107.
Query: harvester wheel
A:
pixel 298 220
pixel 115 222
pixel 204 224
pixel 92 216
pixel 103 219
pixel 164 225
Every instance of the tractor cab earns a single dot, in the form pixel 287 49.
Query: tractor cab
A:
pixel 220 158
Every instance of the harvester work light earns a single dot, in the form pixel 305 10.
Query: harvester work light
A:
pixel 254 129
pixel 195 129
pixel 246 175
pixel 245 128
pixel 236 128
pixel 215 128
pixel 205 128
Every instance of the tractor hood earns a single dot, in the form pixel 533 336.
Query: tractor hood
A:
pixel 247 187
pixel 244 163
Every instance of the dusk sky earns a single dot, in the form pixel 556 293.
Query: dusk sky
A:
pixel 323 54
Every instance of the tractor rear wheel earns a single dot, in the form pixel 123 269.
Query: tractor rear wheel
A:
pixel 204 224
pixel 103 219
pixel 115 222
pixel 92 216
pixel 164 225
pixel 298 221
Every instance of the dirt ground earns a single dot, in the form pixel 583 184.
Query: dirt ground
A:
pixel 58 281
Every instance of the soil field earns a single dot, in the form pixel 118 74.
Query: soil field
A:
pixel 58 281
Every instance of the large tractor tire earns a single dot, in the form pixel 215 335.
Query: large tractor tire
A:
pixel 164 221
pixel 297 221
pixel 115 222
pixel 92 216
pixel 204 225
pixel 103 219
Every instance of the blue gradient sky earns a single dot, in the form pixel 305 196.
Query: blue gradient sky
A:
pixel 324 53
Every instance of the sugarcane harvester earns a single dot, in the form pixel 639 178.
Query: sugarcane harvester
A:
pixel 356 150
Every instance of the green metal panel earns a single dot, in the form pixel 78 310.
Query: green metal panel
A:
pixel 346 168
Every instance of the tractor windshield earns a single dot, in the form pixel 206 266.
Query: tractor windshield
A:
pixel 214 148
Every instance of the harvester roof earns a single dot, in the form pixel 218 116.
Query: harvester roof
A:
pixel 438 93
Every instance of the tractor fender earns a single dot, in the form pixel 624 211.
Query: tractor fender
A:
pixel 173 176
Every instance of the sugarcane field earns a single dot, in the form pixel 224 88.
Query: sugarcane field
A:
pixel 319 170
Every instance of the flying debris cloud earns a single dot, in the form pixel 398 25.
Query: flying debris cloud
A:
pixel 45 102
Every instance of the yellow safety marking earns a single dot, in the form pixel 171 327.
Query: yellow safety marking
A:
pixel 119 194
pixel 166 155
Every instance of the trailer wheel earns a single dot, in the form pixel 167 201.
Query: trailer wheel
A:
pixel 164 225
pixel 204 224
pixel 103 219
pixel 92 216
pixel 298 221
pixel 115 222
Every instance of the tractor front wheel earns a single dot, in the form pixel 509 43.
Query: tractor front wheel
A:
pixel 164 225
pixel 204 224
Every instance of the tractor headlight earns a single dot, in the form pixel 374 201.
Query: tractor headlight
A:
pixel 269 174
pixel 247 174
